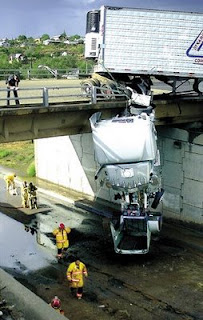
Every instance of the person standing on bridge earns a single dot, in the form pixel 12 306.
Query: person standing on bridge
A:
pixel 12 84
pixel 75 275
pixel 62 242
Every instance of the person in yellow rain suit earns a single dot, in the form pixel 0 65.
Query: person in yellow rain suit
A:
pixel 24 194
pixel 10 181
pixel 75 275
pixel 62 242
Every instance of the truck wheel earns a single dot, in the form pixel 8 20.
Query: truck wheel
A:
pixel 86 86
pixel 198 86
pixel 107 91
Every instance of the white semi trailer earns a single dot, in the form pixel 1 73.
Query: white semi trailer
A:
pixel 130 47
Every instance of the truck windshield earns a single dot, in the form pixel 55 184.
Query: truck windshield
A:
pixel 135 224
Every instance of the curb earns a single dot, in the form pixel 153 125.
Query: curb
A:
pixel 27 303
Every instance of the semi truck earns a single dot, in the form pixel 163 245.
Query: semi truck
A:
pixel 132 47
pixel 126 150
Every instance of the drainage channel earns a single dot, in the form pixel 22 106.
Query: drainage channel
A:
pixel 20 255
pixel 19 249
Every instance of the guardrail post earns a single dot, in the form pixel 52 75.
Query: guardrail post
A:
pixel 28 74
pixel 45 97
pixel 94 95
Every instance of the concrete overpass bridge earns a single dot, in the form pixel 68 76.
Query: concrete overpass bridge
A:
pixel 68 114
pixel 67 158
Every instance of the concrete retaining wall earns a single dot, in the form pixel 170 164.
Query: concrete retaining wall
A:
pixel 182 174
pixel 69 161
pixel 26 303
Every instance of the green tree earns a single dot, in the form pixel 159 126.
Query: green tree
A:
pixel 30 40
pixel 64 35
pixel 12 42
pixel 4 50
pixel 4 61
pixel 22 38
pixel 76 36
pixel 45 36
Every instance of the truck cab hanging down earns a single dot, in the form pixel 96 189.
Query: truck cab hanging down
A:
pixel 125 147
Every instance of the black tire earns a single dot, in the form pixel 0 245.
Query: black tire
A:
pixel 107 90
pixel 86 86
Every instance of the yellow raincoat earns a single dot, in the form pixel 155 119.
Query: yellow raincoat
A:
pixel 61 237
pixel 24 195
pixel 10 180
pixel 75 274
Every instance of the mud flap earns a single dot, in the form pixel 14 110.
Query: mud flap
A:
pixel 157 199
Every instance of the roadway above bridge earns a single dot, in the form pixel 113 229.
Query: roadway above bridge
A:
pixel 35 121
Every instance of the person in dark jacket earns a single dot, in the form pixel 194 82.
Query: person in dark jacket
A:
pixel 12 84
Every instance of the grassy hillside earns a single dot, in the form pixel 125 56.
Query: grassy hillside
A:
pixel 51 55
pixel 17 155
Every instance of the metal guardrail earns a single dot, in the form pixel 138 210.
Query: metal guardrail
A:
pixel 46 95
pixel 46 74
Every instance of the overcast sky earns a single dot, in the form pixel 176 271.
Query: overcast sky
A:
pixel 33 18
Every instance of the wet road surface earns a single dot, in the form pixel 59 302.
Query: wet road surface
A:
pixel 19 249
pixel 165 284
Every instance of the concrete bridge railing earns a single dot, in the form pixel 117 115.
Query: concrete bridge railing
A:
pixel 65 110
pixel 59 94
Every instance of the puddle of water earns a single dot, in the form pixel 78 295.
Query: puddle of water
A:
pixel 19 249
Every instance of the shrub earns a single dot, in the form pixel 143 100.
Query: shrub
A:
pixel 20 157
pixel 4 153
pixel 31 170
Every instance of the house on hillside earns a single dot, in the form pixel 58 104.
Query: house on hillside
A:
pixel 51 41
pixel 37 40
pixel 64 53
pixel 61 38
pixel 75 41
pixel 19 57
pixel 66 42
pixel 56 38
pixel 81 40
pixel 47 42
pixel 4 43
